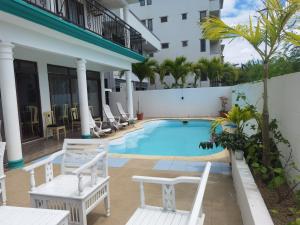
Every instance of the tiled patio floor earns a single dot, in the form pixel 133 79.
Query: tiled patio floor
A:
pixel 219 204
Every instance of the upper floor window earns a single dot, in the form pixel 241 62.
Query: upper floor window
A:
pixel 150 24
pixel 144 22
pixel 164 45
pixel 149 2
pixel 142 2
pixel 151 54
pixel 184 16
pixel 203 45
pixel 202 15
pixel 184 43
pixel 163 19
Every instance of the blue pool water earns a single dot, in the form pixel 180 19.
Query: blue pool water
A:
pixel 166 138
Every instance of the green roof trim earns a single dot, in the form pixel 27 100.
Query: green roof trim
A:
pixel 29 12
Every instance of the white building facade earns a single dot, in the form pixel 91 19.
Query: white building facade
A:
pixel 56 55
pixel 176 24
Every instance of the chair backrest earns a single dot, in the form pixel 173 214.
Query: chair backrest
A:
pixel 80 151
pixel 121 110
pixel 74 114
pixel 49 118
pixel 2 150
pixel 0 130
pixel 33 113
pixel 92 123
pixel 196 211
pixel 65 110
pixel 108 114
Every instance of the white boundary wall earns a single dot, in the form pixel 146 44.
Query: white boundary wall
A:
pixel 284 105
pixel 169 103
pixel 252 206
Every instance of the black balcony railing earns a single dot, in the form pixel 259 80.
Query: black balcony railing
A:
pixel 92 16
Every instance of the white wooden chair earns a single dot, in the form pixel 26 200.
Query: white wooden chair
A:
pixel 79 188
pixel 125 116
pixel 114 121
pixel 2 175
pixel 168 214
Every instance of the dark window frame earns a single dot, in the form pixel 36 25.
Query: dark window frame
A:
pixel 148 24
pixel 202 45
pixel 185 43
pixel 164 19
pixel 149 2
pixel 184 16
pixel 165 45
pixel 142 2
pixel 202 17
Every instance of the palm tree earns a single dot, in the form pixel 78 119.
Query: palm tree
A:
pixel 178 68
pixel 272 29
pixel 162 71
pixel 145 70
pixel 200 70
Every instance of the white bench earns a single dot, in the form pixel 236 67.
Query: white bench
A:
pixel 168 214
pixel 79 188
pixel 28 216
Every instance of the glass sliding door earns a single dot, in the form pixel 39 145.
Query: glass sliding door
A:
pixel 64 92
pixel 94 93
pixel 28 95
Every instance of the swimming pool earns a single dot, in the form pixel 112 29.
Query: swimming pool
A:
pixel 166 138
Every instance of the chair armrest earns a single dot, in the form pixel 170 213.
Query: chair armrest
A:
pixel 89 164
pixel 44 161
pixel 169 181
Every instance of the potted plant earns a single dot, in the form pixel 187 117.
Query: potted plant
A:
pixel 139 115
pixel 224 102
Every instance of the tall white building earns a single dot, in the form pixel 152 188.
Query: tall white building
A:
pixel 176 24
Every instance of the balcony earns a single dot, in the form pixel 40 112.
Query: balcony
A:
pixel 92 16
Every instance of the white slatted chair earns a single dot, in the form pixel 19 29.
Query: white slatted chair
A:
pixel 168 214
pixel 115 122
pixel 97 130
pixel 82 184
pixel 125 116
pixel 2 175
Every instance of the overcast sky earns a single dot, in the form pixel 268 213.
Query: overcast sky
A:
pixel 237 12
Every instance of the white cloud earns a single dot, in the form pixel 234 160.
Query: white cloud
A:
pixel 239 51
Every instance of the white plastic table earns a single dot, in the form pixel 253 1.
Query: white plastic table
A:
pixel 10 215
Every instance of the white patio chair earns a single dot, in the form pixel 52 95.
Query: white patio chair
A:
pixel 168 214
pixel 97 130
pixel 2 175
pixel 115 122
pixel 125 116
pixel 82 184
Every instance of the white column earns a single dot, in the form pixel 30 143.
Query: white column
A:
pixel 83 98
pixel 129 94
pixel 10 106
pixel 102 81
pixel 126 18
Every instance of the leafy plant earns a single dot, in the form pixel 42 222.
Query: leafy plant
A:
pixel 271 31
pixel 145 70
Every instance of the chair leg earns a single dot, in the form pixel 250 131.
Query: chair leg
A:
pixel 46 133
pixel 3 191
pixel 107 202
pixel 57 134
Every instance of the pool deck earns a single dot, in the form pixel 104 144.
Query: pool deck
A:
pixel 220 205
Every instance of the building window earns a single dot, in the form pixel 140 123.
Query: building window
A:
pixel 184 16
pixel 143 22
pixel 151 54
pixel 164 19
pixel 142 2
pixel 150 24
pixel 184 43
pixel 202 15
pixel 203 45
pixel 164 45
pixel 149 2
